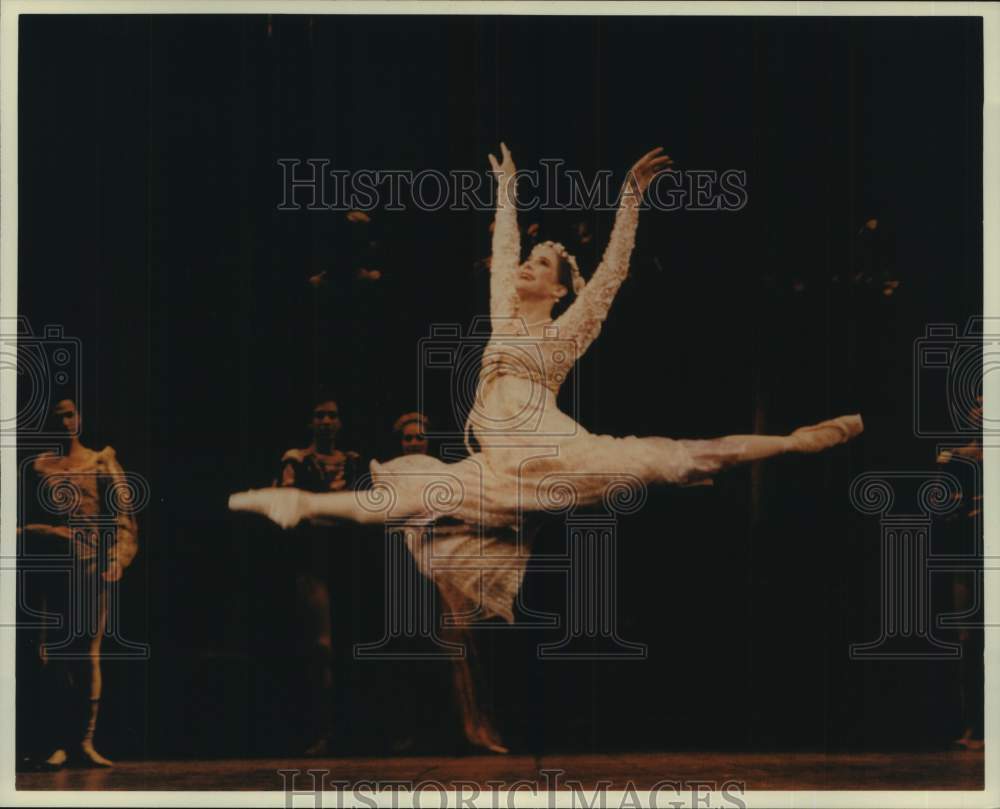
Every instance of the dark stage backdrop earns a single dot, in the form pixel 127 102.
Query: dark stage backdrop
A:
pixel 149 229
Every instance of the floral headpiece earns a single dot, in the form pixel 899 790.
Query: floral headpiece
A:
pixel 565 255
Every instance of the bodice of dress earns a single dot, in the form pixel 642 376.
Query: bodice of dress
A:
pixel 521 373
pixel 547 360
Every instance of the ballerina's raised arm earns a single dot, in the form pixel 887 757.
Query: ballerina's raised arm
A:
pixel 583 319
pixel 506 250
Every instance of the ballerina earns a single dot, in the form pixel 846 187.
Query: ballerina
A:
pixel 544 316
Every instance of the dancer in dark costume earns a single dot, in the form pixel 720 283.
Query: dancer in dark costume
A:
pixel 319 467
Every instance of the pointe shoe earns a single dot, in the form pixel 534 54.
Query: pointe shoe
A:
pixel 283 506
pixel 826 434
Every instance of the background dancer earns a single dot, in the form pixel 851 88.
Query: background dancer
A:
pixel 70 655
pixel 319 467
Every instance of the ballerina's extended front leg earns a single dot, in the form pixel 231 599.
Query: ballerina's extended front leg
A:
pixel 713 455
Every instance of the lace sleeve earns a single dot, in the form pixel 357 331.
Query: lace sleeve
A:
pixel 583 320
pixel 506 253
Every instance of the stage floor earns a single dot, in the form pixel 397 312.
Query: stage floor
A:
pixel 958 770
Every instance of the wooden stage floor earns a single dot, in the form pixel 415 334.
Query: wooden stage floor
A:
pixel 953 770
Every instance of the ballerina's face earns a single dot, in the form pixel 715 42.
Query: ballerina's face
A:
pixel 538 277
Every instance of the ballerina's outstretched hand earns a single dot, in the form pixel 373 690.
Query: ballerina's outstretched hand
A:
pixel 506 174
pixel 646 168
pixel 505 167
pixel 642 173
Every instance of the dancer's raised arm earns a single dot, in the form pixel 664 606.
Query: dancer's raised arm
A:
pixel 506 251
pixel 582 321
